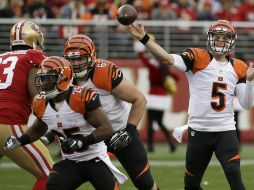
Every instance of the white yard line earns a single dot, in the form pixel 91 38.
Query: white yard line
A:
pixel 154 163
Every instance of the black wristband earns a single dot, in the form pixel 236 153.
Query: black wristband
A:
pixel 145 39
pixel 130 128
pixel 87 140
pixel 24 139
pixel 50 136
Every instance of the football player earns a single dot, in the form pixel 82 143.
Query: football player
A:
pixel 17 89
pixel 214 77
pixel 73 113
pixel 115 93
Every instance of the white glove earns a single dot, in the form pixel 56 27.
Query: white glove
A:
pixel 48 138
pixel 138 47
pixel 178 132
pixel 11 143
pixel 45 140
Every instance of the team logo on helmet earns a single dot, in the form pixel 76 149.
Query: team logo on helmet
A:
pixel 27 33
pixel 54 76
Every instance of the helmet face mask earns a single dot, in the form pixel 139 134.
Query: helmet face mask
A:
pixel 81 65
pixel 27 33
pixel 46 83
pixel 53 77
pixel 80 51
pixel 221 37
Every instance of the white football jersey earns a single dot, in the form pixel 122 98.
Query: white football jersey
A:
pixel 105 74
pixel 69 120
pixel 212 87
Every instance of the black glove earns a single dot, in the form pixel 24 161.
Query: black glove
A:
pixel 71 144
pixel 122 138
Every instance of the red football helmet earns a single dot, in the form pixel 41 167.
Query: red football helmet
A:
pixel 221 37
pixel 54 76
pixel 80 51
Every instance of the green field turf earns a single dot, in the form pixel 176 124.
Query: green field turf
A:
pixel 167 168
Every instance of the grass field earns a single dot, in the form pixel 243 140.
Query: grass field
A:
pixel 167 169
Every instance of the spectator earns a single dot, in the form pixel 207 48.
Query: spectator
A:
pixel 205 10
pixel 75 9
pixel 56 6
pixel 229 11
pixel 13 9
pixel 162 11
pixel 100 11
pixel 40 9
pixel 143 14
pixel 246 10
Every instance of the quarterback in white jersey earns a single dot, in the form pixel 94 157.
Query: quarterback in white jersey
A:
pixel 115 93
pixel 73 113
pixel 214 78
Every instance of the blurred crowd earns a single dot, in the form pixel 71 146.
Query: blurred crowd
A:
pixel 233 10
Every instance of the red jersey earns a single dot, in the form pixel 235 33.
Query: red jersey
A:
pixel 156 75
pixel 15 101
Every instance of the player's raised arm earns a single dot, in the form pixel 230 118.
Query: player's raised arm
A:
pixel 138 32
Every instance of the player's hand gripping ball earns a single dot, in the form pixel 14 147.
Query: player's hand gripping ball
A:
pixel 126 14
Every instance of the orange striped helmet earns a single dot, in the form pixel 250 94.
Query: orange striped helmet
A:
pixel 221 37
pixel 80 48
pixel 27 33
pixel 54 76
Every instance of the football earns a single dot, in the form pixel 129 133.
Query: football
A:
pixel 126 14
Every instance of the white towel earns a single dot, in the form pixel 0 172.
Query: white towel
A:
pixel 121 178
pixel 178 133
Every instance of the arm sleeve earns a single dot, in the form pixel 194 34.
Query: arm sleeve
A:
pixel 117 76
pixel 93 102
pixel 179 63
pixel 244 92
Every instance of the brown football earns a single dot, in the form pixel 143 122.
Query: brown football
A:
pixel 126 14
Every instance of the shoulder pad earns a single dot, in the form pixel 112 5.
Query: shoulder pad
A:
pixel 240 68
pixel 39 105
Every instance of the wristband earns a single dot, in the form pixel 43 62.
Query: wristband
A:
pixel 50 136
pixel 130 128
pixel 145 39
pixel 24 139
pixel 87 140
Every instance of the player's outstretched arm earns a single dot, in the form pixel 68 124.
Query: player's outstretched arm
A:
pixel 138 32
pixel 33 133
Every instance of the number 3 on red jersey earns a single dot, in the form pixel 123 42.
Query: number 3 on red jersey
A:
pixel 6 71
